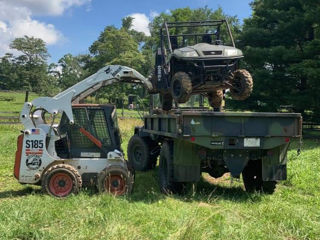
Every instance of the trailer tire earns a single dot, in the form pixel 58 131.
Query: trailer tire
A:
pixel 166 101
pixel 139 155
pixel 61 180
pixel 115 180
pixel 166 183
pixel 215 98
pixel 252 178
pixel 242 81
pixel 181 87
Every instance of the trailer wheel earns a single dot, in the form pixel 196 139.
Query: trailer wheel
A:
pixel 252 178
pixel 242 83
pixel 139 155
pixel 115 180
pixel 167 185
pixel 215 99
pixel 61 180
pixel 181 87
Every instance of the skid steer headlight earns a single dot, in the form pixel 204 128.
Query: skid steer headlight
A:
pixel 232 52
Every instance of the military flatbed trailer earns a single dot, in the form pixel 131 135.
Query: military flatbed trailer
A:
pixel 190 142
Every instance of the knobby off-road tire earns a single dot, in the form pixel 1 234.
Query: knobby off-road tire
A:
pixel 139 153
pixel 252 178
pixel 215 98
pixel 242 83
pixel 61 180
pixel 181 87
pixel 166 101
pixel 166 183
pixel 115 180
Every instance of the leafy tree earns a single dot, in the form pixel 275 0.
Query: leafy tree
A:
pixel 29 69
pixel 71 70
pixel 282 50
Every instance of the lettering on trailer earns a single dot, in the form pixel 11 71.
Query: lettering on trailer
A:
pixel 33 162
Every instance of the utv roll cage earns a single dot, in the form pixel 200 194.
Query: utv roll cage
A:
pixel 172 38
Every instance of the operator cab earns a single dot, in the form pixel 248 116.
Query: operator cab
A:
pixel 94 133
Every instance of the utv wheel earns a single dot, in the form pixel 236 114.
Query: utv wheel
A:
pixel 181 87
pixel 61 180
pixel 115 180
pixel 166 101
pixel 139 155
pixel 215 99
pixel 166 183
pixel 252 178
pixel 242 83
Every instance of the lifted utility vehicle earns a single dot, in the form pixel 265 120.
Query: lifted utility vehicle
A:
pixel 198 62
pixel 192 141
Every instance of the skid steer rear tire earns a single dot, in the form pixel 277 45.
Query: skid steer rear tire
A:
pixel 61 180
pixel 115 180
pixel 181 87
pixel 242 83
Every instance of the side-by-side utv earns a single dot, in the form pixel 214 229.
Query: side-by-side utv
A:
pixel 199 58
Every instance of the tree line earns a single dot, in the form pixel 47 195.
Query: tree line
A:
pixel 280 41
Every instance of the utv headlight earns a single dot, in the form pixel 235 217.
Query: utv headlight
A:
pixel 232 52
pixel 189 54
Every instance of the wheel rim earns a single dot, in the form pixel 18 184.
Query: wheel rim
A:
pixel 115 184
pixel 61 184
pixel 137 154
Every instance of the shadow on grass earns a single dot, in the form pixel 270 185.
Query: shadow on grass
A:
pixel 147 190
pixel 19 193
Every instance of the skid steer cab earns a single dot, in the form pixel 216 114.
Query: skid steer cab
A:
pixel 63 157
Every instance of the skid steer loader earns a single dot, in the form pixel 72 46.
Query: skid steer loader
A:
pixel 83 148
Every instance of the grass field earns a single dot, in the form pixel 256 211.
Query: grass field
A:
pixel 216 210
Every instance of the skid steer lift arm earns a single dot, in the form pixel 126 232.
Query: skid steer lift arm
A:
pixel 62 102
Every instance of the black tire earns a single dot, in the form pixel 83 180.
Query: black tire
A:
pixel 242 83
pixel 215 99
pixel 181 87
pixel 252 178
pixel 166 101
pixel 61 180
pixel 166 183
pixel 115 180
pixel 139 155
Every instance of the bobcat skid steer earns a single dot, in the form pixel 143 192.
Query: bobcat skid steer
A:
pixel 83 147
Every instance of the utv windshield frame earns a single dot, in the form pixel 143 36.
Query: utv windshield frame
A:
pixel 165 33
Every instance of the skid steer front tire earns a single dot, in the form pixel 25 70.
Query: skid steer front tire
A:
pixel 61 180
pixel 115 180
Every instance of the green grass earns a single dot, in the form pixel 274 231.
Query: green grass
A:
pixel 219 210
pixel 16 102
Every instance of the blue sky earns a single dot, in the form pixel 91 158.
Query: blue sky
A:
pixel 71 26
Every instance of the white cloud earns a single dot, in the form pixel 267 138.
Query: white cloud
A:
pixel 16 20
pixel 140 23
